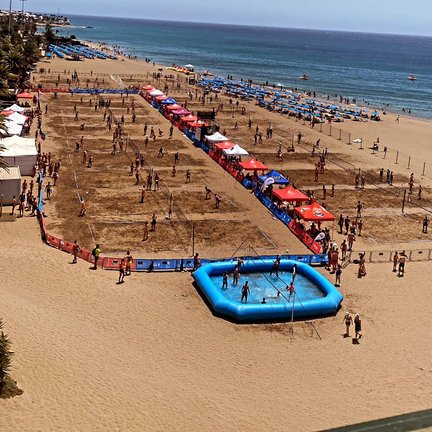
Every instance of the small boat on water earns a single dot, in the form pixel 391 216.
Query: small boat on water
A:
pixel 412 78
pixel 304 77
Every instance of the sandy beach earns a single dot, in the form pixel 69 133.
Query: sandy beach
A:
pixel 149 354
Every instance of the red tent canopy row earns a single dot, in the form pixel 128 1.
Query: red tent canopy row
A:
pixel 148 88
pixel 314 213
pixel 290 194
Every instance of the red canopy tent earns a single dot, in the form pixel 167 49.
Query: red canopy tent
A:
pixel 6 113
pixel 161 98
pixel 252 165
pixel 198 123
pixel 24 95
pixel 148 88
pixel 225 145
pixel 189 118
pixel 314 213
pixel 174 107
pixel 290 194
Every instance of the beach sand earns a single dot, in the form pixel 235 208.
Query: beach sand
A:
pixel 149 355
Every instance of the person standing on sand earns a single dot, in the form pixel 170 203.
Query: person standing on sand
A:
pixel 245 292
pixel 75 251
pixel 357 327
pixel 128 261
pixel 196 262
pixel 121 271
pixel 347 321
pixel 338 275
pixel 425 224
pixel 153 222
pixel 143 192
pixel 395 261
pixel 146 232
pixel 96 253
pixel 341 223
pixel 402 260
pixel 362 266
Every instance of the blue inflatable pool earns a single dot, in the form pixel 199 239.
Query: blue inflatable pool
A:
pixel 269 298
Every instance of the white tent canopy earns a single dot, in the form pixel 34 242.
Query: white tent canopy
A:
pixel 10 184
pixel 216 137
pixel 20 152
pixel 156 93
pixel 17 118
pixel 236 151
pixel 12 128
pixel 15 108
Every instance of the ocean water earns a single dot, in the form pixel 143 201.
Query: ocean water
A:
pixel 372 68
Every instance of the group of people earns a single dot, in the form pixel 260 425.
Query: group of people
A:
pixel 348 321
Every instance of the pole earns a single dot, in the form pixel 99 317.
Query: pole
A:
pixel 409 161
pixel 292 314
pixel 1 205
pixel 424 168
pixel 403 201
pixel 397 157
pixel 10 16
pixel 193 240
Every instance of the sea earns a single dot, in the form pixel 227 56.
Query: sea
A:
pixel 372 68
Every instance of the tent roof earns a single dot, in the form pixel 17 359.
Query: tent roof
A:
pixel 216 137
pixel 12 173
pixel 169 101
pixel 6 112
pixel 18 146
pixel 225 145
pixel 17 118
pixel 15 108
pixel 181 111
pixel 148 88
pixel 198 123
pixel 276 175
pixel 162 97
pixel 12 128
pixel 24 95
pixel 252 165
pixel 290 194
pixel 314 212
pixel 174 107
pixel 236 151
pixel 156 92
pixel 189 118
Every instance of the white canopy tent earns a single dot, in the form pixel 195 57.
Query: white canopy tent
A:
pixel 216 137
pixel 236 151
pixel 156 92
pixel 19 152
pixel 15 108
pixel 17 118
pixel 12 128
pixel 10 184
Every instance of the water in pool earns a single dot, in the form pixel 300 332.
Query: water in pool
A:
pixel 263 286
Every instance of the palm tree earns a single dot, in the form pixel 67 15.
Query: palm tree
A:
pixel 5 358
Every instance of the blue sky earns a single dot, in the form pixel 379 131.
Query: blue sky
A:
pixel 381 16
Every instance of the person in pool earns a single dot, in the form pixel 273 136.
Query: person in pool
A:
pixel 225 280
pixel 245 292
